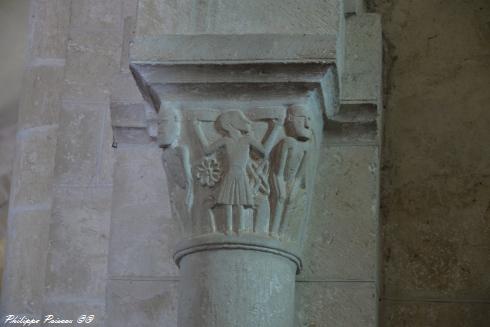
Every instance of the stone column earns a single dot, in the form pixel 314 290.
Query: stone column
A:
pixel 241 154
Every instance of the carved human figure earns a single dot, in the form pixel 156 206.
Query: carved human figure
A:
pixel 235 188
pixel 177 162
pixel 290 171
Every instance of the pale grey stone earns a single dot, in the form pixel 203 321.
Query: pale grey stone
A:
pixel 143 303
pixel 237 17
pixel 342 239
pixel 81 135
pixel 227 48
pixel 236 288
pixel 96 14
pixel 128 115
pixel 335 304
pixel 93 57
pixel 132 136
pixel 24 275
pixel 124 89
pixel 33 167
pixel 79 243
pixel 362 59
pixel 40 100
pixel 144 233
pixel 50 25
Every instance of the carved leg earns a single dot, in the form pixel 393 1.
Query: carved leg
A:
pixel 229 219
pixel 212 220
pixel 262 216
pixel 277 217
pixel 246 219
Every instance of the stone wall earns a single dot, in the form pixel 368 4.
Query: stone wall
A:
pixel 13 37
pixel 59 215
pixel 436 172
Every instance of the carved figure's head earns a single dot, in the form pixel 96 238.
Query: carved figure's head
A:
pixel 168 126
pixel 233 121
pixel 298 123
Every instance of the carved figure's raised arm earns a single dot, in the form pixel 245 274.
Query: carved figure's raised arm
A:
pixel 257 145
pixel 208 148
pixel 272 138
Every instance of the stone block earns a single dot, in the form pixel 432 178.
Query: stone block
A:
pixel 231 47
pixel 124 89
pixel 435 314
pixel 341 244
pixel 362 58
pixel 437 244
pixel 80 140
pixel 143 231
pixel 143 241
pixel 351 134
pixel 96 14
pixel 139 177
pixel 33 167
pixel 24 275
pixel 237 17
pixel 142 303
pixel 128 115
pixel 50 26
pixel 335 304
pixel 40 100
pixel 93 57
pixel 79 242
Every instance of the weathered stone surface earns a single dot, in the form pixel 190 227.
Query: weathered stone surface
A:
pixel 143 232
pixel 50 25
pixel 23 279
pixel 124 89
pixel 234 48
pixel 236 288
pixel 79 242
pixel 237 17
pixel 14 35
pixel 335 304
pixel 252 30
pixel 341 244
pixel 432 314
pixel 40 100
pixel 96 14
pixel 436 174
pixel 361 71
pixel 145 303
pixel 79 144
pixel 435 188
pixel 33 167
pixel 93 57
pixel 128 116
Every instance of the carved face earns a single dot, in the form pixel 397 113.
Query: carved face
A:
pixel 299 125
pixel 234 120
pixel 168 127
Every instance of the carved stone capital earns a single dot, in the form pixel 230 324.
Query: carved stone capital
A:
pixel 240 151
